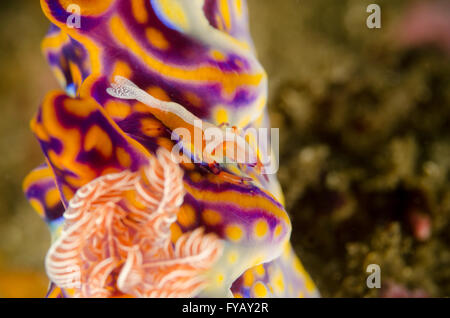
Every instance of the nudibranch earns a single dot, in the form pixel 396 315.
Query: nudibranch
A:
pixel 127 220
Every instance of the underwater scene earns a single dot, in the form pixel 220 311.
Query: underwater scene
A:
pixel 225 148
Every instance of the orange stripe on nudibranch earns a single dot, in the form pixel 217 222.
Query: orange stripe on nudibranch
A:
pixel 245 201
pixel 230 81
pixel 37 175
pixel 54 41
pixel 238 4
pixel 225 11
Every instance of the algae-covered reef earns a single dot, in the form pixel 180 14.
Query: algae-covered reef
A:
pixel 365 147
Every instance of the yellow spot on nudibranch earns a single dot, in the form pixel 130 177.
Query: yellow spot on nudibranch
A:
pixel 158 93
pixel 234 232
pixel 97 138
pixel 218 55
pixel 176 232
pixel 211 217
pixel 117 109
pixel 220 278
pixel 232 257
pixel 186 215
pixel 174 12
pixel 221 116
pixel 52 197
pixel 139 10
pixel 278 230
pixel 261 228
pixel 157 39
pixel 259 290
pixel 279 281
pixel 259 270
pixel 121 68
pixel 123 157
pixel 248 278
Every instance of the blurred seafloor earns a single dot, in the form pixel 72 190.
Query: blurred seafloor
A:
pixel 365 144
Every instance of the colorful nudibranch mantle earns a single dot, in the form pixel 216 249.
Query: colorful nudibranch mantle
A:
pixel 126 220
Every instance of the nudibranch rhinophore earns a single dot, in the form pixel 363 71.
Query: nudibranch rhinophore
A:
pixel 127 220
